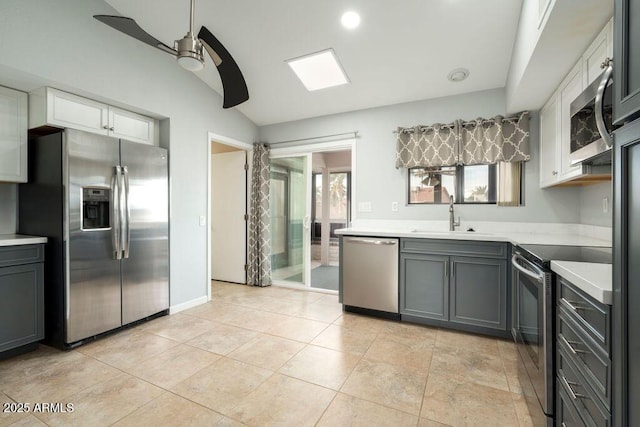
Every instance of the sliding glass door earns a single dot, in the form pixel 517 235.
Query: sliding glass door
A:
pixel 290 204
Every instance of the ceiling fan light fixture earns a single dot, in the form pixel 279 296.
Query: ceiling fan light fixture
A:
pixel 190 63
pixel 190 55
pixel 189 51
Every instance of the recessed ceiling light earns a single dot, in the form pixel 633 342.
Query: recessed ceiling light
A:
pixel 458 75
pixel 350 20
pixel 318 70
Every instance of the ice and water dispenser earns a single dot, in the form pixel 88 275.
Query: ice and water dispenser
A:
pixel 95 208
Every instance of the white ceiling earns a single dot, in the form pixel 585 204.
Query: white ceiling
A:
pixel 402 51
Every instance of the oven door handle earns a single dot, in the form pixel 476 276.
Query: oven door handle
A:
pixel 539 277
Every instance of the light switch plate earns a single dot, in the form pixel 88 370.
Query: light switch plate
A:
pixel 202 220
pixel 605 205
pixel 394 206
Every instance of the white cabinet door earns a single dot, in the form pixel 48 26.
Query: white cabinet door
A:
pixel 131 126
pixel 70 111
pixel 596 53
pixel 13 135
pixel 53 107
pixel 571 88
pixel 549 147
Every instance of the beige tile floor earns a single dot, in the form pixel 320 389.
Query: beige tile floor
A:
pixel 271 356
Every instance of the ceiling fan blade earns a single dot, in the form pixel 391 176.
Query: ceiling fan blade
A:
pixel 131 28
pixel 233 84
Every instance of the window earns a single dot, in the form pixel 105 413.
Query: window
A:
pixel 476 184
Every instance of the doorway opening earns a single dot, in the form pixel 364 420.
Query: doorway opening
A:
pixel 227 209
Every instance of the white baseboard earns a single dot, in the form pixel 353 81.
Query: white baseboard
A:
pixel 187 305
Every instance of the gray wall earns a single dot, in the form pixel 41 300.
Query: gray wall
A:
pixel 378 182
pixel 8 208
pixel 58 43
pixel 591 211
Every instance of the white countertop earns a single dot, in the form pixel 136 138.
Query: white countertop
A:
pixel 20 239
pixel 594 279
pixel 515 238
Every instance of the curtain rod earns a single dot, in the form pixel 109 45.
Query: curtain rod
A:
pixel 470 122
pixel 294 141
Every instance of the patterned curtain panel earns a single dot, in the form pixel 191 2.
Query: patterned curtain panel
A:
pixel 428 146
pixel 509 184
pixel 495 140
pixel 259 254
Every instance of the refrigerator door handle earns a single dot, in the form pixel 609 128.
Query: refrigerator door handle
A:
pixel 126 215
pixel 115 211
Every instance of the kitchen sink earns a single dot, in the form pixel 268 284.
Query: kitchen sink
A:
pixel 447 233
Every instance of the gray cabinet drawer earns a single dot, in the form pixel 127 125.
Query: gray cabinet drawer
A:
pixel 21 254
pixel 594 317
pixel 588 357
pixel 566 412
pixel 455 247
pixel 579 393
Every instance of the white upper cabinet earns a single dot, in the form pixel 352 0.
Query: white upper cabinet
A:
pixel 13 135
pixel 571 87
pixel 555 132
pixel 549 149
pixel 600 49
pixel 555 118
pixel 131 126
pixel 52 107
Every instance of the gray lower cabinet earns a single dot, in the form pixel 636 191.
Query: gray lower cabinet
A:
pixel 479 292
pixel 424 289
pixel 456 284
pixel 21 297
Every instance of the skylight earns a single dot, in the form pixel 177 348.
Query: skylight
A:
pixel 319 70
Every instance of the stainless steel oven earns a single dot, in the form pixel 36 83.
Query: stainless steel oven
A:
pixel 534 312
pixel 534 331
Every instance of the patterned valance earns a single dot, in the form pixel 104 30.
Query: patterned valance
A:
pixel 481 141
pixel 428 146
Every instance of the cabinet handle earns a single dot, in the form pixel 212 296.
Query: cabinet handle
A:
pixel 576 306
pixel 446 269
pixel 554 173
pixel 572 346
pixel 111 128
pixel 105 127
pixel 574 395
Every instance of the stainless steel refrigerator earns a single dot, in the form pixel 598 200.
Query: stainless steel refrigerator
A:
pixel 103 204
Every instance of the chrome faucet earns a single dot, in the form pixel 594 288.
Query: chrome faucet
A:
pixel 452 221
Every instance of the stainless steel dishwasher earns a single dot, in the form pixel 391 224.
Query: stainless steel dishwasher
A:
pixel 370 274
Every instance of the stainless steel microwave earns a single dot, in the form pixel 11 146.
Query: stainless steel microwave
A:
pixel 591 121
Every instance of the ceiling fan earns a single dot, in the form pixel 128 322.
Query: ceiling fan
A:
pixel 189 53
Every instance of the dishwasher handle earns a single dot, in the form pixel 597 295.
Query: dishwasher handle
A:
pixel 373 242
